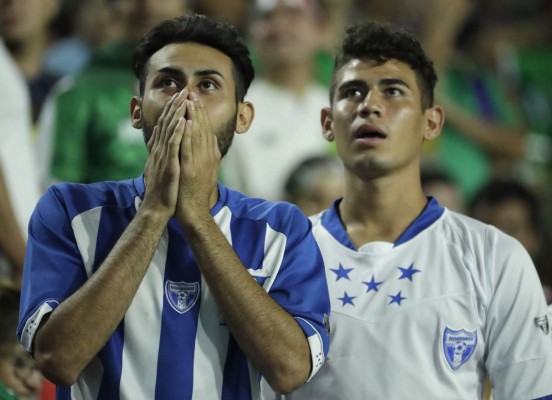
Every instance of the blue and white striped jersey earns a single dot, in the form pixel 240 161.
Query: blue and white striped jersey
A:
pixel 172 343
pixel 427 317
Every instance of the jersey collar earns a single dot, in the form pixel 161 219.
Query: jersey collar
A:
pixel 331 220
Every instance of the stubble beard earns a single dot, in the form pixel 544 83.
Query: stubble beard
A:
pixel 224 133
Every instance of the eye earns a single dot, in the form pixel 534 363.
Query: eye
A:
pixel 394 91
pixel 169 82
pixel 352 92
pixel 207 84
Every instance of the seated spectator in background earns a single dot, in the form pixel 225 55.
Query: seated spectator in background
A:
pixel 25 27
pixel 233 11
pixel 81 27
pixel 315 183
pixel 19 178
pixel 440 185
pixel 484 135
pixel 86 133
pixel 513 208
pixel 287 100
pixel 19 378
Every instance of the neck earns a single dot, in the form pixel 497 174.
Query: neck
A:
pixel 28 55
pixel 295 78
pixel 380 209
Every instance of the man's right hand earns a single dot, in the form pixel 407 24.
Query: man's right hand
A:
pixel 162 171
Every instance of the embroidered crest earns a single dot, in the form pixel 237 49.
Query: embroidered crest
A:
pixel 458 346
pixel 542 322
pixel 181 295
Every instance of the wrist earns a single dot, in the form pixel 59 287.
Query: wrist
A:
pixel 153 217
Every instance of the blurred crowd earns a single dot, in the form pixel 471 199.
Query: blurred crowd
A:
pixel 66 82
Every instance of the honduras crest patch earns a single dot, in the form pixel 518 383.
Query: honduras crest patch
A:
pixel 458 346
pixel 181 295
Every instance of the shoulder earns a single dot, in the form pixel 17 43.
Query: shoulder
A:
pixel 279 215
pixel 494 252
pixel 466 231
pixel 76 198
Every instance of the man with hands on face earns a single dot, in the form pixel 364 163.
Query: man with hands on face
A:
pixel 171 285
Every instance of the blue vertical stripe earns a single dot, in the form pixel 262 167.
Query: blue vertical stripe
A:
pixel 247 235
pixel 178 331
pixel 236 384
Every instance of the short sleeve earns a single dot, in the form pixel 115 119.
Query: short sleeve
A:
pixel 519 342
pixel 53 265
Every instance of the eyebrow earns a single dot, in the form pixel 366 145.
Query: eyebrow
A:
pixel 179 73
pixel 381 82
pixel 351 84
pixel 393 81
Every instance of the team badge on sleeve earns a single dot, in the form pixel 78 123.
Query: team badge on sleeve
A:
pixel 542 322
pixel 458 346
pixel 181 295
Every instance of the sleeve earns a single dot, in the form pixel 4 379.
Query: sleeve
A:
pixel 519 342
pixel 53 265
pixel 300 287
pixel 72 110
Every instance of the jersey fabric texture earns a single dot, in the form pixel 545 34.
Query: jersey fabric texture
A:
pixel 172 342
pixel 427 317
pixel 86 134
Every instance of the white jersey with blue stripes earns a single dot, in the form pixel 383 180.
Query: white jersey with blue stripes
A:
pixel 172 342
pixel 429 316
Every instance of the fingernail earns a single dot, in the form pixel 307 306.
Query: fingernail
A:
pixel 193 96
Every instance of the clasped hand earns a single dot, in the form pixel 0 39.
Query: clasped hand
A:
pixel 182 169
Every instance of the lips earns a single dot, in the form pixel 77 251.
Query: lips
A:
pixel 367 131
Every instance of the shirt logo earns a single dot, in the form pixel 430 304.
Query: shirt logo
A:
pixel 181 295
pixel 542 322
pixel 458 346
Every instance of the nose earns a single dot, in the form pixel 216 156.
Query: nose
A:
pixel 371 104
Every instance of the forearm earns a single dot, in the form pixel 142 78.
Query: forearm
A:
pixel 497 140
pixel 12 244
pixel 271 339
pixel 81 325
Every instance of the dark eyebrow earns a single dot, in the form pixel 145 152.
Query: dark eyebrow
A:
pixel 351 84
pixel 207 72
pixel 392 82
pixel 170 71
pixel 179 73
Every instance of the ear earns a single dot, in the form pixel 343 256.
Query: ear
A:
pixel 244 117
pixel 326 120
pixel 136 112
pixel 435 118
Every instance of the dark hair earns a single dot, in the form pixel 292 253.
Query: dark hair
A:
pixel 198 29
pixel 382 42
pixel 303 172
pixel 499 191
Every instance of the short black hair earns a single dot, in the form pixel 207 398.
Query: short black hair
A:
pixel 382 42
pixel 302 174
pixel 498 191
pixel 200 29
